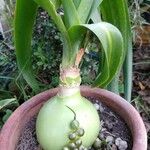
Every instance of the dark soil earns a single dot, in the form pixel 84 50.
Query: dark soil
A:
pixel 141 84
pixel 113 127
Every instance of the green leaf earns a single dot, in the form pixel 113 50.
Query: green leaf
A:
pixel 96 16
pixel 76 3
pixel 112 43
pixel 51 7
pixel 24 19
pixel 95 5
pixel 84 10
pixel 70 13
pixel 7 115
pixel 56 3
pixel 116 13
pixel 4 103
pixel 25 15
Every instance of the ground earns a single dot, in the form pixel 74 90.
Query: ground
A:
pixel 141 84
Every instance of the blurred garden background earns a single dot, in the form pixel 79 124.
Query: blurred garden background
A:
pixel 47 49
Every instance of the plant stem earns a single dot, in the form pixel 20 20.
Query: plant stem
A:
pixel 69 81
pixel 127 72
pixel 113 86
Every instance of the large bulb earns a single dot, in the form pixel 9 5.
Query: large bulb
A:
pixel 67 121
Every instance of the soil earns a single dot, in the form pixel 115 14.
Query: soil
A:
pixel 141 84
pixel 113 129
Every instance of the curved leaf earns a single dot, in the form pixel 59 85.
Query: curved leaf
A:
pixel 112 43
pixel 25 14
pixel 116 12
pixel 51 7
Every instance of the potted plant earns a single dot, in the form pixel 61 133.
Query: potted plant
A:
pixel 67 117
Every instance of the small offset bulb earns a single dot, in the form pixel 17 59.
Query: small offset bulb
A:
pixel 78 142
pixel 65 148
pixel 74 124
pixel 72 136
pixel 80 132
pixel 81 147
pixel 97 143
pixel 72 145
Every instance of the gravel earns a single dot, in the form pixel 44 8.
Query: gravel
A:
pixel 121 144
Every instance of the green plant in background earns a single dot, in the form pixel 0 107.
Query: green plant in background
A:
pixel 62 119
pixel 137 9
pixel 47 60
pixel 43 46
pixel 7 14
pixel 5 110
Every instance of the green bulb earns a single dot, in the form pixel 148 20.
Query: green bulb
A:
pixel 72 136
pixel 80 132
pixel 81 147
pixel 72 145
pixel 74 124
pixel 54 122
pixel 65 148
pixel 78 142
pixel 97 143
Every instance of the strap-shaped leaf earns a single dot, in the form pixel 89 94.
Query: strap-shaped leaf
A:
pixel 56 3
pixel 51 7
pixel 80 11
pixel 116 13
pixel 84 10
pixel 70 13
pixel 108 35
pixel 96 16
pixel 95 5
pixel 24 19
pixel 112 43
pixel 76 3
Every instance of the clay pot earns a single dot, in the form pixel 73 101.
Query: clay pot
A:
pixel 11 131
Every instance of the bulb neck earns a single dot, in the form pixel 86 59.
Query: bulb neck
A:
pixel 68 91
pixel 70 81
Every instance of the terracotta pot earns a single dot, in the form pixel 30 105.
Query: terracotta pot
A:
pixel 10 132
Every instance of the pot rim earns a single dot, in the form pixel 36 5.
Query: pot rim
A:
pixel 11 130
